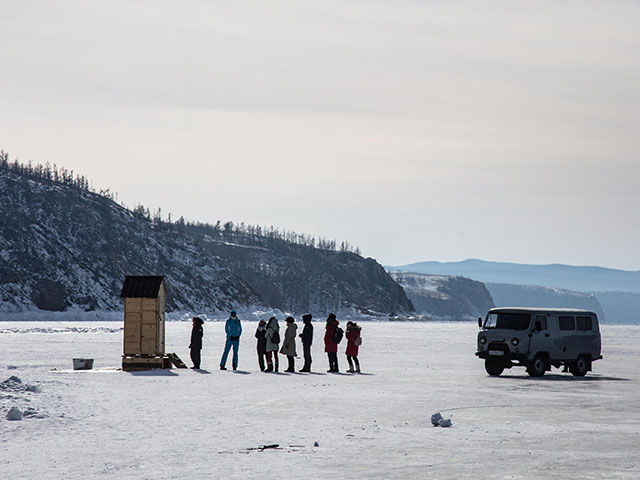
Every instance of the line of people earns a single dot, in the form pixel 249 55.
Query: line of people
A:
pixel 268 343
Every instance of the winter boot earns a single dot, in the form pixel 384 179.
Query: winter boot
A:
pixel 276 367
pixel 222 367
pixel 351 370
pixel 358 369
pixel 269 367
pixel 292 365
pixel 235 367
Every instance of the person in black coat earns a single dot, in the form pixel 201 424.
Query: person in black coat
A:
pixel 196 341
pixel 262 343
pixel 307 340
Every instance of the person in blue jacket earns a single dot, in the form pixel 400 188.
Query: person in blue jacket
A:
pixel 233 329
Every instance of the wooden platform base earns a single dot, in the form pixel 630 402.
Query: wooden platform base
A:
pixel 133 363
pixel 176 360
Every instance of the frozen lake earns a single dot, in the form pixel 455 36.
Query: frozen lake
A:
pixel 183 424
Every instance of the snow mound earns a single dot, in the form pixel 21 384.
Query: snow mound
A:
pixel 32 413
pixel 12 384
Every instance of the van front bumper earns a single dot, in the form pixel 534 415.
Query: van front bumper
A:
pixel 506 356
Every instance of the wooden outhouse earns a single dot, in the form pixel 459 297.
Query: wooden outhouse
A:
pixel 144 310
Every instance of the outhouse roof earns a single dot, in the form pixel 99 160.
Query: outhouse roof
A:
pixel 137 286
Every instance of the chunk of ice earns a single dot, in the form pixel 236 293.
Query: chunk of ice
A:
pixel 14 414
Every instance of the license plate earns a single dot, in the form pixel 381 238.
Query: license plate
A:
pixel 496 352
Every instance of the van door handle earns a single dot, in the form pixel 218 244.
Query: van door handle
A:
pixel 546 334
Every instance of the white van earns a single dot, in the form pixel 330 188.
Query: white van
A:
pixel 537 339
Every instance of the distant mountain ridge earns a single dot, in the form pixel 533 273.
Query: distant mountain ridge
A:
pixel 576 278
pixel 505 295
pixel 64 247
pixel 616 293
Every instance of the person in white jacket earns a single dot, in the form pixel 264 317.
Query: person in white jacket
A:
pixel 273 334
pixel 289 344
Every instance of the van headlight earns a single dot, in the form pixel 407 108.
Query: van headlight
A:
pixel 515 341
pixel 483 340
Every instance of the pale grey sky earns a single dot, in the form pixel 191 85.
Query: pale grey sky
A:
pixel 503 130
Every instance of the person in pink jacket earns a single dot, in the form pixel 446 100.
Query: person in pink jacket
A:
pixel 353 345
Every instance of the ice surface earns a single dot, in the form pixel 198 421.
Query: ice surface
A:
pixel 187 424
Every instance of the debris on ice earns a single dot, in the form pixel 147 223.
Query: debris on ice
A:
pixel 438 421
pixel 14 414
pixel 436 418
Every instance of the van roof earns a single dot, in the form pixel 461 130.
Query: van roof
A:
pixel 539 309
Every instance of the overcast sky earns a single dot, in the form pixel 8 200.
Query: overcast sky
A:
pixel 502 130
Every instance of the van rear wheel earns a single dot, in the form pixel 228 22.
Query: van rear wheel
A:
pixel 538 366
pixel 493 367
pixel 580 368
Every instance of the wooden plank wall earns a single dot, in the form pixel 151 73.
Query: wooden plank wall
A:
pixel 150 327
pixel 143 328
pixel 162 297
pixel 132 325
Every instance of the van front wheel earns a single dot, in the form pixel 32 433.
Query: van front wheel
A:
pixel 493 367
pixel 580 368
pixel 538 366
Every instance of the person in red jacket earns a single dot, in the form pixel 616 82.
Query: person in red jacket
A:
pixel 330 345
pixel 353 345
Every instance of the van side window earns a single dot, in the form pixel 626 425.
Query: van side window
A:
pixel 541 321
pixel 566 322
pixel 584 323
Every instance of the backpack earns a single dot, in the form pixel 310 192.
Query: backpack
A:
pixel 337 335
pixel 275 338
pixel 358 341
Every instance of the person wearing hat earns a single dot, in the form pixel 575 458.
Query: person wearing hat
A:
pixel 261 343
pixel 353 345
pixel 196 341
pixel 233 329
pixel 330 346
pixel 307 340
pixel 273 340
pixel 289 344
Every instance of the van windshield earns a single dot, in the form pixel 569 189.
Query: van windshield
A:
pixel 508 321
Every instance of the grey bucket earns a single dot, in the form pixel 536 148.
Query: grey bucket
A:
pixel 82 363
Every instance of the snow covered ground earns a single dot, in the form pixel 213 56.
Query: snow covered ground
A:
pixel 185 424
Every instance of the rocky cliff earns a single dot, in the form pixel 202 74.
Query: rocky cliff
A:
pixel 445 298
pixel 64 247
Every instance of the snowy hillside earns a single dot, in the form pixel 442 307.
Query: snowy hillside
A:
pixel 443 297
pixel 64 248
